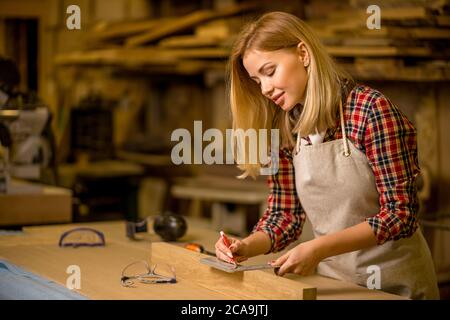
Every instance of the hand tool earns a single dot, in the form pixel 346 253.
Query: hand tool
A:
pixel 198 248
pixel 231 268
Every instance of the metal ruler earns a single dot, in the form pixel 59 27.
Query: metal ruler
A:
pixel 231 268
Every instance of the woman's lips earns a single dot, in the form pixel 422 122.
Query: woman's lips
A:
pixel 279 99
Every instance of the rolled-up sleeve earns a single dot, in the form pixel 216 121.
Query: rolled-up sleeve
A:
pixel 284 217
pixel 391 147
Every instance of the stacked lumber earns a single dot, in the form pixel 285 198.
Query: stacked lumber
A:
pixel 188 45
pixel 412 43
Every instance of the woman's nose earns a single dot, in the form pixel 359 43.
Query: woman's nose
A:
pixel 266 89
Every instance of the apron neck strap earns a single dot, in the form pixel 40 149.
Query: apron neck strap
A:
pixel 297 145
pixel 344 134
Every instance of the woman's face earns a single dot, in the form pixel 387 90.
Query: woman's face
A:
pixel 281 74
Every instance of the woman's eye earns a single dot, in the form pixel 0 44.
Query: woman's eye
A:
pixel 270 72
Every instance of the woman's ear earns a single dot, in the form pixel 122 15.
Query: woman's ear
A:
pixel 303 53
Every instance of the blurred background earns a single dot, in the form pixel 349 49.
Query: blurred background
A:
pixel 87 110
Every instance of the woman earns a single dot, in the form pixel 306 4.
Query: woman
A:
pixel 348 161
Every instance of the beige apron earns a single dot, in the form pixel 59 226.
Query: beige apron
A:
pixel 337 190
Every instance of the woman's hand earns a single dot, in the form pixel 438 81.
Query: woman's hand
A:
pixel 302 260
pixel 238 250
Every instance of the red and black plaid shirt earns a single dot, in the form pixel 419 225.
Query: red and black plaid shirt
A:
pixel 388 139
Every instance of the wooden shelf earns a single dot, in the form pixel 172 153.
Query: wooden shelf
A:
pixel 416 34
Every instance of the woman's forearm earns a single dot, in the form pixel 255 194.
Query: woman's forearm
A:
pixel 354 238
pixel 257 243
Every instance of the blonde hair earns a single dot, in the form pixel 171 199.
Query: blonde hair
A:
pixel 252 110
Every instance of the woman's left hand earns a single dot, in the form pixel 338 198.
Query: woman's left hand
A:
pixel 302 260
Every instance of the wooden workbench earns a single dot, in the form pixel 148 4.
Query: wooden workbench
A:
pixel 28 203
pixel 36 250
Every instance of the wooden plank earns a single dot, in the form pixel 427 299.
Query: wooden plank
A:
pixel 367 41
pixel 166 29
pixel 217 194
pixel 401 14
pixel 221 189
pixel 199 231
pixel 405 13
pixel 354 20
pixel 404 33
pixel 227 181
pixel 221 28
pixel 351 51
pixel 22 9
pixel 117 56
pixel 429 33
pixel 101 269
pixel 186 22
pixel 189 41
pixel 377 68
pixel 428 72
pixel 68 173
pixel 200 53
pixel 107 31
pixel 198 66
pixel 139 56
pixel 28 203
pixel 257 284
pixel 331 289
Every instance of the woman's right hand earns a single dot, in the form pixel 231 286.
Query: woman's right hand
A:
pixel 238 250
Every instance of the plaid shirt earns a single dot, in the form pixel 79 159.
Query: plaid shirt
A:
pixel 388 139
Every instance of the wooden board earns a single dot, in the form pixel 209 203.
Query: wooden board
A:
pixel 35 250
pixel 381 70
pixel 101 270
pixel 32 203
pixel 189 41
pixel 140 56
pixel 220 189
pixel 186 22
pixel 403 14
pixel 221 28
pixel 244 285
pixel 117 56
pixel 389 51
pixel 107 31
pixel 169 28
pixel 402 33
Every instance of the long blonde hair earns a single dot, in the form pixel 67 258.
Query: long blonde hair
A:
pixel 252 110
